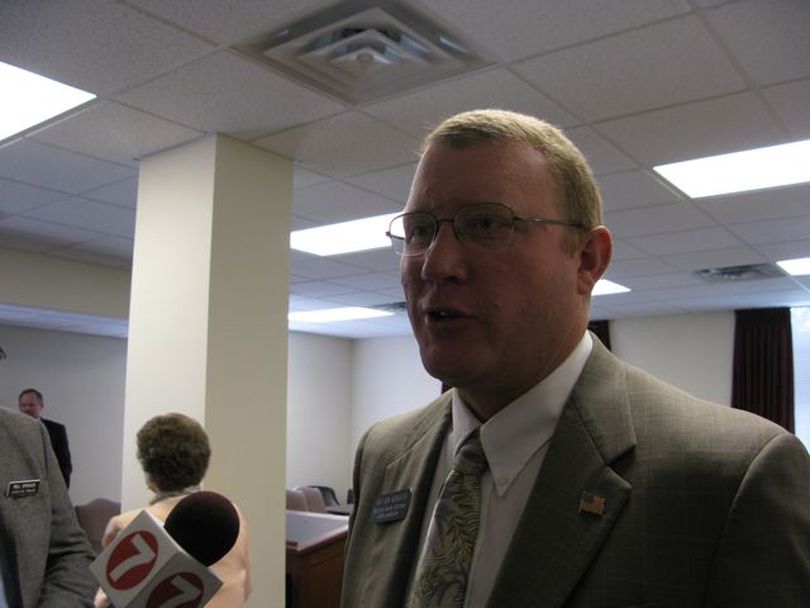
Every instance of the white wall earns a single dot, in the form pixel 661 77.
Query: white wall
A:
pixel 387 379
pixel 694 352
pixel 337 388
pixel 318 412
pixel 82 380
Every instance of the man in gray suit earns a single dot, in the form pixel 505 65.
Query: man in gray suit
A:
pixel 44 554
pixel 602 486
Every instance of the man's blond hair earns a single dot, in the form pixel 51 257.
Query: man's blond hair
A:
pixel 582 200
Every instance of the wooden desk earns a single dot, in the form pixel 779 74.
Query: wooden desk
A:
pixel 315 546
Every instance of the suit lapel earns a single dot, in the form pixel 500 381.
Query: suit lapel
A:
pixel 558 537
pixel 397 543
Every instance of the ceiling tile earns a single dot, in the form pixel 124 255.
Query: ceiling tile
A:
pixel 623 251
pixel 715 259
pixel 84 213
pixel 520 28
pixel 372 281
pixel 377 260
pixel 603 157
pixel 304 177
pixel 96 45
pixel 791 102
pixel 773 231
pixel 726 124
pixel 16 197
pixel 42 165
pixel 44 232
pixel 392 183
pixel 789 201
pixel 685 241
pixel 422 110
pixel 113 132
pixel 344 145
pixel 124 193
pixel 363 298
pixel 768 39
pixel 226 93
pixel 785 251
pixel 338 202
pixel 315 268
pixel 655 282
pixel 656 220
pixel 114 246
pixel 318 289
pixel 634 189
pixel 91 257
pixel 661 64
pixel 628 268
pixel 228 22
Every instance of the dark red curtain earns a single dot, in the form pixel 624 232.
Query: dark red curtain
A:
pixel 763 364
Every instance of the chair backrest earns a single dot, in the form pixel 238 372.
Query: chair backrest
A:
pixel 296 501
pixel 93 517
pixel 329 497
pixel 315 502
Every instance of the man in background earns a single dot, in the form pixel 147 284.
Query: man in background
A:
pixel 32 403
pixel 44 554
pixel 553 474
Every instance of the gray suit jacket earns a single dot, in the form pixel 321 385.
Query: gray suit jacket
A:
pixel 704 505
pixel 44 554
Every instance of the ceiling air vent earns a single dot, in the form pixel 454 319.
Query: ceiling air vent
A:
pixel 749 272
pixel 360 50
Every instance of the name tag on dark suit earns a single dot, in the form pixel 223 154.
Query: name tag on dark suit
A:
pixel 22 488
pixel 391 507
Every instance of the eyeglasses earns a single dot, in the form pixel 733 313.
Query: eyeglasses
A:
pixel 482 226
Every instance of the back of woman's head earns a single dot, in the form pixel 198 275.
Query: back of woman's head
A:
pixel 173 450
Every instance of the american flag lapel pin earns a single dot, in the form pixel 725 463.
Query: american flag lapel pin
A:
pixel 592 504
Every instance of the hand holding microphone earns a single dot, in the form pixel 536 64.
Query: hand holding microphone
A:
pixel 154 566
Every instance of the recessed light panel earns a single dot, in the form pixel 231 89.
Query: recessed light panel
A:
pixel 796 267
pixel 769 167
pixel 334 315
pixel 604 287
pixel 345 237
pixel 29 99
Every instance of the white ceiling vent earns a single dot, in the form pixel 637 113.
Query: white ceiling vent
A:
pixel 360 50
pixel 750 272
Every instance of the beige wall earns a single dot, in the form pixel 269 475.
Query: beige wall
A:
pixel 82 380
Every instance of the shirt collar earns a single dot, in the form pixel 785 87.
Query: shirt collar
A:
pixel 513 435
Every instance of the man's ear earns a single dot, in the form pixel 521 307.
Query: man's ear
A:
pixel 595 250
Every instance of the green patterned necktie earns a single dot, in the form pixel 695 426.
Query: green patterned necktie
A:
pixel 441 579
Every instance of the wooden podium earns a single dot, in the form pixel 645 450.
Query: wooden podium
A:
pixel 315 546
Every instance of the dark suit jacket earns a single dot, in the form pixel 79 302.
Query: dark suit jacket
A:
pixel 704 505
pixel 44 554
pixel 59 442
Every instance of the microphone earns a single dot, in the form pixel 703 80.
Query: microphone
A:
pixel 154 565
pixel 205 524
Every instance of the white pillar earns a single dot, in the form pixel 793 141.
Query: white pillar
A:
pixel 208 327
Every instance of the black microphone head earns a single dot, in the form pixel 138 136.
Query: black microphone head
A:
pixel 205 524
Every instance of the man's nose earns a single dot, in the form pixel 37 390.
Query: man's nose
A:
pixel 444 257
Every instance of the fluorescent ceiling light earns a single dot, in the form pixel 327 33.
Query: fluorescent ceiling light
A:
pixel 604 287
pixel 795 267
pixel 345 237
pixel 333 315
pixel 29 99
pixel 740 171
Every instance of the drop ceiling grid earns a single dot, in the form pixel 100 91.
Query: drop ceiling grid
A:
pixel 625 117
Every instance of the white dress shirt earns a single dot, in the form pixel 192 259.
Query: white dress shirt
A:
pixel 515 441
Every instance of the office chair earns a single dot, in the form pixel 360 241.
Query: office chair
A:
pixel 329 497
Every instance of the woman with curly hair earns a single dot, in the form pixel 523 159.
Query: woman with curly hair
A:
pixel 174 452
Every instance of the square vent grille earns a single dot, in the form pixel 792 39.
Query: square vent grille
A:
pixel 359 50
pixel 750 272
